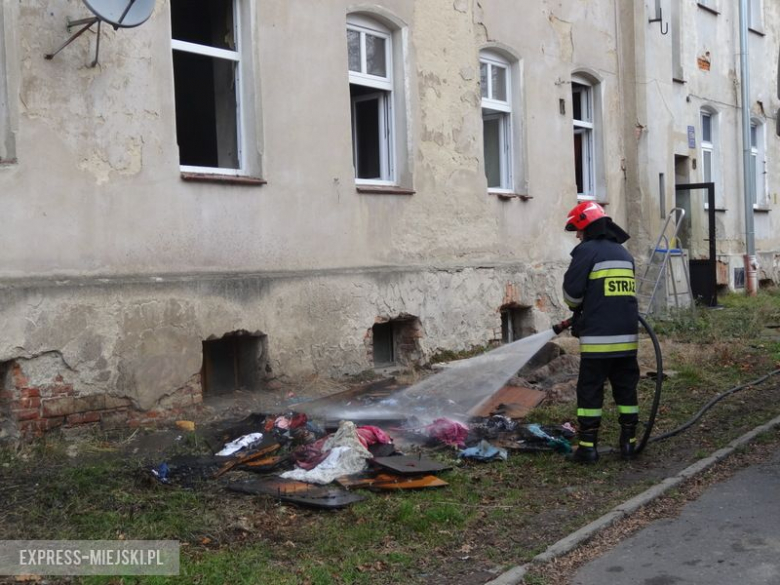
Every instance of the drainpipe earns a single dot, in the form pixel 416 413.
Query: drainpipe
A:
pixel 751 263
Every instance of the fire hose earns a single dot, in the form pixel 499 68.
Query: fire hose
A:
pixel 659 366
pixel 659 378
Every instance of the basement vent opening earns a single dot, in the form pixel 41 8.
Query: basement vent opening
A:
pixel 396 342
pixel 739 278
pixel 516 323
pixel 5 371
pixel 237 361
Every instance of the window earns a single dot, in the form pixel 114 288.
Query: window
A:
pixel 706 147
pixel 495 84
pixel 754 15
pixel 369 47
pixel 584 138
pixel 709 153
pixel 207 78
pixel 757 164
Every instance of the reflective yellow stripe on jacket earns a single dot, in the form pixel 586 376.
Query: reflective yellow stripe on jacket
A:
pixel 608 343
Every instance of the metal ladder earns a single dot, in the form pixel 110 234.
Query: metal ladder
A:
pixel 660 265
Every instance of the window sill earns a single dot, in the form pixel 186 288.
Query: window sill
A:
pixel 223 179
pixel 756 31
pixel 761 209
pixel 709 9
pixel 507 195
pixel 383 190
pixel 679 80
pixel 581 199
pixel 8 162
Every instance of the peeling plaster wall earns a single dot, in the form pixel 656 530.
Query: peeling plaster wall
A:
pixel 113 263
pixel 141 340
pixel 98 219
pixel 665 109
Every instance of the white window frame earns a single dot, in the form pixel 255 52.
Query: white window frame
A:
pixel 235 56
pixel 501 110
pixel 758 158
pixel 364 26
pixel 587 127
pixel 712 148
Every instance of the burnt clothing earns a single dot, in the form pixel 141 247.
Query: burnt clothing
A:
pixel 623 376
pixel 600 284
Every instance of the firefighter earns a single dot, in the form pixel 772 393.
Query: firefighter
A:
pixel 599 286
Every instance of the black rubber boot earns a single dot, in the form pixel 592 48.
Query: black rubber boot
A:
pixel 628 441
pixel 586 452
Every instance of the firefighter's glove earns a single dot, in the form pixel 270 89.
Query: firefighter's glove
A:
pixel 575 323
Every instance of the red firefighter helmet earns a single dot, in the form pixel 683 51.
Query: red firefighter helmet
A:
pixel 583 215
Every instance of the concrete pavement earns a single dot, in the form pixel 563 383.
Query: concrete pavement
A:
pixel 515 575
pixel 731 534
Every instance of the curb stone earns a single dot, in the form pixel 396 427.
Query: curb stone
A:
pixel 515 575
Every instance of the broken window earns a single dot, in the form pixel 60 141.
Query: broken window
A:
pixel 206 69
pixel 584 138
pixel 237 361
pixel 369 49
pixel 515 323
pixel 384 344
pixel 496 120
pixel 396 342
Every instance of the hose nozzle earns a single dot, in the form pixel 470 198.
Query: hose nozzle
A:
pixel 562 326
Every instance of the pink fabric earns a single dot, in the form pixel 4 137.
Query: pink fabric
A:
pixel 370 435
pixel 298 420
pixel 448 431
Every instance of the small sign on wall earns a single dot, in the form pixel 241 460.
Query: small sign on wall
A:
pixel 691 137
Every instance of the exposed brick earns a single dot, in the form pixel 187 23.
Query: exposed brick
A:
pixel 83 418
pixel 20 380
pixel 7 395
pixel 59 406
pixel 30 428
pixel 116 402
pixel 72 404
pixel 28 403
pixel 30 392
pixel 51 423
pixel 26 414
pixel 38 427
pixel 112 419
pixel 61 389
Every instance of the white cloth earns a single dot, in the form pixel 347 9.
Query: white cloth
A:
pixel 240 443
pixel 340 461
pixel 347 456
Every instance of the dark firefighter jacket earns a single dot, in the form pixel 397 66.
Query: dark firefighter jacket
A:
pixel 600 284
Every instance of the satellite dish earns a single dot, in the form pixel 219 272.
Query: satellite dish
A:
pixel 117 13
pixel 122 13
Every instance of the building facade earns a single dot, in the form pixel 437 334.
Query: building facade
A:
pixel 237 190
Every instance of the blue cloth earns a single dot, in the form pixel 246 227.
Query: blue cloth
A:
pixel 483 452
